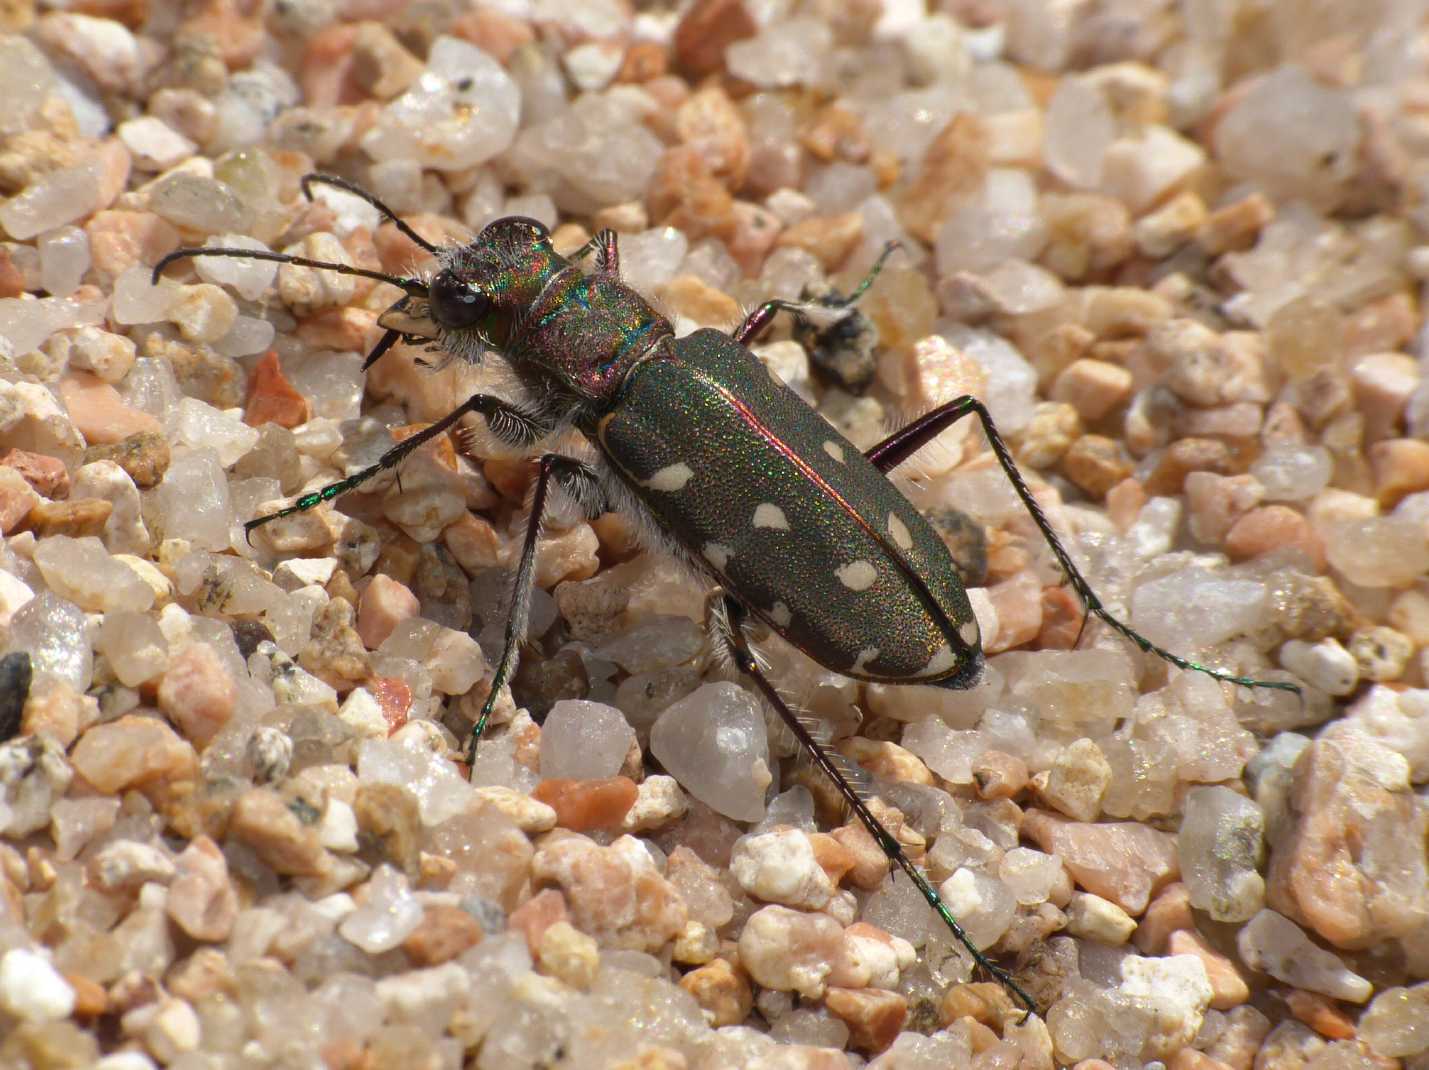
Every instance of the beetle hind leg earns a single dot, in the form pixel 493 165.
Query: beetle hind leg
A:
pixel 745 659
pixel 904 442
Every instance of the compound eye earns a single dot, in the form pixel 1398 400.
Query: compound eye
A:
pixel 455 305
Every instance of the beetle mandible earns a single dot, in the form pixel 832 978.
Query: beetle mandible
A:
pixel 721 465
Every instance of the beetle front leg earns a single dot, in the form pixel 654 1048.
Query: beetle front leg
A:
pixel 582 483
pixel 903 443
pixel 493 408
pixel 733 634
pixel 605 244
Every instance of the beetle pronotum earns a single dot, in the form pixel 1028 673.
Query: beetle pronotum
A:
pixel 790 521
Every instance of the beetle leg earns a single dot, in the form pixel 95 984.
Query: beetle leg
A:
pixel 606 247
pixel 491 407
pixel 516 427
pixel 744 658
pixel 758 321
pixel 582 483
pixel 900 445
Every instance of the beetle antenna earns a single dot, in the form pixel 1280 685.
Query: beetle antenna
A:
pixel 415 287
pixel 318 178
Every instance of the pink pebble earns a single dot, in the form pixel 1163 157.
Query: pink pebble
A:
pixel 383 605
pixel 197 693
pixel 99 413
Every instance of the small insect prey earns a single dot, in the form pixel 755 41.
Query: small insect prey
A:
pixel 791 522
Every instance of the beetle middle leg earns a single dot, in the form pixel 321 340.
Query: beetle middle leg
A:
pixel 745 660
pixel 582 483
pixel 903 443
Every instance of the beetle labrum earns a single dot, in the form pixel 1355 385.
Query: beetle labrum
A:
pixel 721 464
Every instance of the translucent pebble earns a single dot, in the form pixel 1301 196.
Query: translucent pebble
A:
pixel 440 791
pixel 134 646
pixel 138 300
pixel 26 325
pixel 983 905
pixel 659 643
pixel 54 199
pixel 154 144
pixel 1273 943
pixel 82 571
pixel 199 424
pixel 1220 848
pixel 388 916
pixel 788 271
pixel 1291 135
pixel 332 382
pixel 1081 693
pixel 1017 288
pixel 651 257
pixel 246 337
pixel 249 279
pixel 26 79
pixel 914 1051
pixel 788 53
pixel 452 658
pixel 1001 221
pixel 1011 380
pixel 151 387
pixel 195 202
pixel 584 740
pixel 714 742
pixel 64 258
pixel 1080 128
pixel 839 187
pixel 1293 473
pixel 192 501
pixel 1396 1025
pixel 1195 608
pixel 946 751
pixel 1380 551
pixel 596 153
pixel 1029 875
pixel 52 631
pixel 460 113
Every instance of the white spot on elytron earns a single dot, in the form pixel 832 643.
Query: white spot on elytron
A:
pixel 834 450
pixel 857 575
pixel 780 615
pixel 942 662
pixel 717 554
pixel 670 478
pixel 969 633
pixel 769 515
pixel 899 531
pixel 860 663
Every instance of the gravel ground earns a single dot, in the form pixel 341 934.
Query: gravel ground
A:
pixel 1174 249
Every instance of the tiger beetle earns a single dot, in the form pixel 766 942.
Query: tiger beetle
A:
pixel 719 464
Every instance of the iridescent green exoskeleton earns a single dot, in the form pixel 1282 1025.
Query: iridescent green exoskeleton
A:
pixel 719 463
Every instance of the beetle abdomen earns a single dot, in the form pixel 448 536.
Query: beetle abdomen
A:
pixel 790 516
